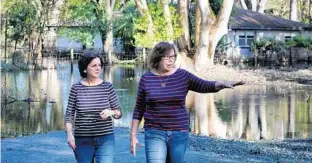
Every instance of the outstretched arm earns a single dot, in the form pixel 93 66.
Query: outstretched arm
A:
pixel 204 86
pixel 219 85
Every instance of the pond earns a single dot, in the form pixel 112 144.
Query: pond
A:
pixel 36 103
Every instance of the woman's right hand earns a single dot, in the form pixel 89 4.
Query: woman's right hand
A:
pixel 71 141
pixel 133 143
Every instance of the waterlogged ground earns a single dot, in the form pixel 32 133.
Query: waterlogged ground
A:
pixel 52 148
pixel 283 76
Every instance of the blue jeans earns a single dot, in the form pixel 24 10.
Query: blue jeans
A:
pixel 99 148
pixel 165 146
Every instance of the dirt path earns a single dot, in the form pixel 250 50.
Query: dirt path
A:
pixel 52 148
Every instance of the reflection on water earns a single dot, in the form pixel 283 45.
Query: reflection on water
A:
pixel 36 101
pixel 257 112
pixel 247 112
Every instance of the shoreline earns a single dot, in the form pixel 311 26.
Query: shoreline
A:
pixel 298 76
pixel 52 147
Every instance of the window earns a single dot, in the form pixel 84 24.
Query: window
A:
pixel 245 40
pixel 249 40
pixel 287 38
pixel 241 40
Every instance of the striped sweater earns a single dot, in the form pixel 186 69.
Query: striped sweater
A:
pixel 164 107
pixel 85 104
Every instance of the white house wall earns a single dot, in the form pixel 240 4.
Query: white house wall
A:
pixel 278 35
pixel 49 39
pixel 307 33
pixel 98 42
pixel 65 44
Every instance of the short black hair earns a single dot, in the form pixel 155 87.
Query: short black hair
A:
pixel 158 52
pixel 85 60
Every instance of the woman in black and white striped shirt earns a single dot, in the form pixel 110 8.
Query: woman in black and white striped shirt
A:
pixel 92 104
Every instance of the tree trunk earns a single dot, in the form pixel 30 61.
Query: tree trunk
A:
pixel 220 27
pixel 36 47
pixel 302 14
pixel 293 10
pixel 255 57
pixel 15 45
pixel 310 15
pixel 253 5
pixel 38 32
pixel 209 29
pixel 109 42
pixel 201 55
pixel 261 6
pixel 184 42
pixel 29 54
pixel 202 105
pixel 211 34
pixel 5 39
pixel 243 4
pixel 167 16
pixel 197 26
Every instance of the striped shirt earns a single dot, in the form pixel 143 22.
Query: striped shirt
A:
pixel 85 104
pixel 164 107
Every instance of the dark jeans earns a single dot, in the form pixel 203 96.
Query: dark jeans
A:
pixel 165 146
pixel 101 148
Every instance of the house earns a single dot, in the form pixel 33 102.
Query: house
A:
pixel 64 44
pixel 246 26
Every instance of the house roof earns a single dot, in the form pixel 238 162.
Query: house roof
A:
pixel 242 19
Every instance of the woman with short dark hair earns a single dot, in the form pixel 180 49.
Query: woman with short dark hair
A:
pixel 161 101
pixel 91 105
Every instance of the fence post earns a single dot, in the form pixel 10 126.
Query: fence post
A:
pixel 144 56
pixel 256 57
pixel 71 55
pixel 290 57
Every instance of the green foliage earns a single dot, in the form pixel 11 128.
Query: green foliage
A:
pixel 83 21
pixel 223 44
pixel 215 5
pixel 21 18
pixel 124 26
pixel 80 34
pixel 18 58
pixel 157 12
pixel 265 44
pixel 300 41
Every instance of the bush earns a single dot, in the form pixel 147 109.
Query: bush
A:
pixel 18 63
pixel 18 58
pixel 300 42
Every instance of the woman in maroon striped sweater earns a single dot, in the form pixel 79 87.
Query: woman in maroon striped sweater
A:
pixel 161 101
pixel 92 104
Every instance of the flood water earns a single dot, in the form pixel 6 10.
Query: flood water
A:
pixel 36 103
